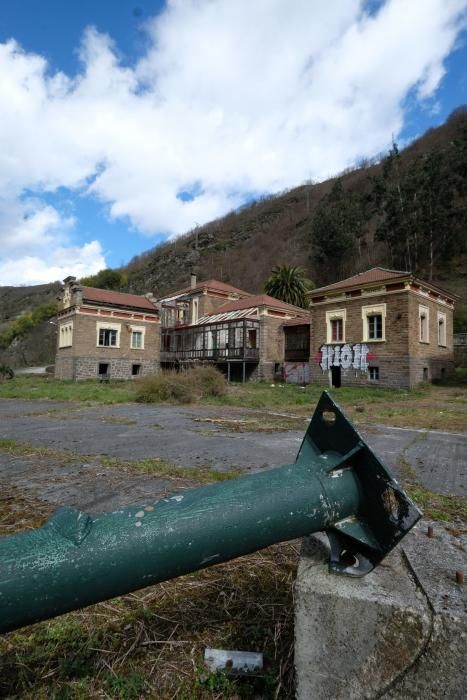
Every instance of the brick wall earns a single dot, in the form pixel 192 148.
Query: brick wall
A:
pixel 429 361
pixel 401 359
pixel 208 304
pixel 81 360
pixel 271 346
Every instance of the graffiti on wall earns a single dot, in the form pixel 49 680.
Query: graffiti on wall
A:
pixel 297 373
pixel 345 356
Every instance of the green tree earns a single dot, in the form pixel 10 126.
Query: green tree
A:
pixel 106 279
pixel 338 227
pixel 288 283
pixel 26 322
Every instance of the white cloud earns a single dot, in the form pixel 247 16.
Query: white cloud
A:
pixel 230 98
pixel 27 269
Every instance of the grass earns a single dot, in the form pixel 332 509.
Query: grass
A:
pixel 263 423
pixel 153 466
pixel 435 506
pixel 151 643
pixel 429 406
pixel 48 388
pixel 160 467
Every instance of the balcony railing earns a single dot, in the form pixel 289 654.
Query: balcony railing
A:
pixel 211 355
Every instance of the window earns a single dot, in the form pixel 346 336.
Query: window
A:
pixel 375 327
pixel 137 340
pixel 424 320
pixel 65 338
pixel 337 330
pixel 108 335
pixel 373 374
pixel 194 311
pixel 374 323
pixel 441 329
pixel 103 370
pixel 135 370
pixel 335 326
pixel 251 338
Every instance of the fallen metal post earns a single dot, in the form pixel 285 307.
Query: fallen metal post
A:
pixel 336 485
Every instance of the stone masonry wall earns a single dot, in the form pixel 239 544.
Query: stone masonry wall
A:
pixel 81 360
pixel 402 360
pixel 271 346
pixel 429 361
pixel 391 355
pixel 64 367
pixel 88 368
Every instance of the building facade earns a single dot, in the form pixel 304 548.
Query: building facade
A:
pixel 103 334
pixel 381 327
pixel 214 323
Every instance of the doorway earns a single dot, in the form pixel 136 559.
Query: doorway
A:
pixel 335 377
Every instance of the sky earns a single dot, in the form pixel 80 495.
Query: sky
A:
pixel 126 123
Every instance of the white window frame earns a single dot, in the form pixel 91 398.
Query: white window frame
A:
pixel 442 341
pixel 65 338
pixel 335 315
pixel 194 311
pixel 374 310
pixel 423 312
pixel 137 329
pixel 108 327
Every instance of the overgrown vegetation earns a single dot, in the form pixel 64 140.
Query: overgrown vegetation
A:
pixel 106 279
pixel 151 644
pixel 416 207
pixel 26 322
pixel 181 387
pixel 282 406
pixel 6 372
pixel 46 387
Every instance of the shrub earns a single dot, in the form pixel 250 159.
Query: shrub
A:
pixel 210 380
pixel 181 387
pixel 6 372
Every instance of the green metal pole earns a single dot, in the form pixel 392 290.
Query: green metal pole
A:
pixel 77 559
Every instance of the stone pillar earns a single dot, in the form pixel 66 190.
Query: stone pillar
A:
pixel 399 633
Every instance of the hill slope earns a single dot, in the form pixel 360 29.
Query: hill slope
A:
pixel 242 247
pixel 406 210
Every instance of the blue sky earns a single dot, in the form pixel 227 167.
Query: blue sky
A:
pixel 124 123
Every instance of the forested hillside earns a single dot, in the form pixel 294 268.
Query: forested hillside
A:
pixel 405 210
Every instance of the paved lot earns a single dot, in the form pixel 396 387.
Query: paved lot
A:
pixel 180 435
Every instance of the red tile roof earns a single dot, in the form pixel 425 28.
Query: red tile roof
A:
pixel 259 300
pixel 106 296
pixel 215 285
pixel 376 274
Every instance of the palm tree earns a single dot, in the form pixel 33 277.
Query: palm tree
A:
pixel 288 283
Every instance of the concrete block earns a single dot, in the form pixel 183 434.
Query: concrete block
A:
pixel 398 633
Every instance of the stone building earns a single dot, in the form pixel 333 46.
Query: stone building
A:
pixel 105 334
pixel 214 323
pixel 381 327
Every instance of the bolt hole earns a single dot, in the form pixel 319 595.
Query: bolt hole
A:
pixel 348 558
pixel 329 417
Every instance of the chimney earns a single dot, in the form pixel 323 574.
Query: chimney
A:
pixel 192 280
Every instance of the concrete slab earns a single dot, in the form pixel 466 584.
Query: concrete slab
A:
pixel 135 431
pixel 398 633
